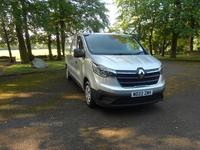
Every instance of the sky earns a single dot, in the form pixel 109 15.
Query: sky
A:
pixel 113 10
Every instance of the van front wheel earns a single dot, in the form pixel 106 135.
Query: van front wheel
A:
pixel 88 96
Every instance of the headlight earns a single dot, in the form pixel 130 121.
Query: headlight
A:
pixel 161 70
pixel 102 71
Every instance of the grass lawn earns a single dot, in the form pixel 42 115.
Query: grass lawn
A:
pixel 2 64
pixel 24 68
pixel 179 57
pixel 11 89
pixel 35 52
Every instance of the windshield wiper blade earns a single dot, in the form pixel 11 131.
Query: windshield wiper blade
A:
pixel 138 53
pixel 124 54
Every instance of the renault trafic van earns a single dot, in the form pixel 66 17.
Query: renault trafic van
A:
pixel 113 70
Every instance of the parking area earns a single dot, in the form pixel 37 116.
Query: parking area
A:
pixel 55 116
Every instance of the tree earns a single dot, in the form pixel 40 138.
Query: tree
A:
pixel 6 29
pixel 49 47
pixel 192 19
pixel 26 13
pixel 70 17
pixel 129 18
pixel 86 15
pixel 16 12
pixel 163 26
pixel 176 26
pixel 175 18
pixel 54 17
pixel 44 38
pixel 45 22
pixel 138 17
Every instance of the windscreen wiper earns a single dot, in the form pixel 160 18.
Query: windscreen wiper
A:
pixel 124 54
pixel 138 53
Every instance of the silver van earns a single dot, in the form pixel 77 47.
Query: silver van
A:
pixel 113 70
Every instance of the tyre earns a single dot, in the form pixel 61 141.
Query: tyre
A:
pixel 88 96
pixel 68 77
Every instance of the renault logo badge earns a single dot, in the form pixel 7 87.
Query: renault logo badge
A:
pixel 140 73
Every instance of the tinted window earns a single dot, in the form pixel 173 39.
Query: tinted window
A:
pixel 70 44
pixel 80 43
pixel 113 44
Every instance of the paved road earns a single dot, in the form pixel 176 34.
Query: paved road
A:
pixel 56 117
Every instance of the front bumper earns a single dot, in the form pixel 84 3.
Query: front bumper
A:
pixel 106 99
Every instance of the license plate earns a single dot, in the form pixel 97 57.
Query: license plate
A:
pixel 141 93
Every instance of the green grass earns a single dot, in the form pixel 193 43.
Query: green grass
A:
pixel 34 81
pixel 179 57
pixel 2 64
pixel 35 52
pixel 19 87
pixel 25 68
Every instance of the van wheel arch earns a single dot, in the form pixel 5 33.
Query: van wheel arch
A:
pixel 68 77
pixel 88 94
pixel 84 82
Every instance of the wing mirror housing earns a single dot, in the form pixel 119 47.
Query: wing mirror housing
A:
pixel 78 53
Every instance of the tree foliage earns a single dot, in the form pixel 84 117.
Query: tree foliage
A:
pixel 6 28
pixel 37 20
pixel 150 19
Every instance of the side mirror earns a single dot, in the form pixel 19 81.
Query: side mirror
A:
pixel 78 53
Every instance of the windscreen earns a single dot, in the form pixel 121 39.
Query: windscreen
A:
pixel 113 44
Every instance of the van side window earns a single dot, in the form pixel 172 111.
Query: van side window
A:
pixel 80 43
pixel 67 44
pixel 73 45
pixel 70 44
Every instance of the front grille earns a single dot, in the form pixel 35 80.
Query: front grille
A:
pixel 139 100
pixel 131 79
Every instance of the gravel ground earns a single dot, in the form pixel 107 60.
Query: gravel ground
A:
pixel 56 117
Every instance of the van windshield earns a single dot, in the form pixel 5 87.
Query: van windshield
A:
pixel 104 44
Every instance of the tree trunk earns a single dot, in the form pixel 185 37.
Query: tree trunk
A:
pixel 10 53
pixel 58 44
pixel 168 44
pixel 49 47
pixel 160 51
pixel 150 39
pixel 62 24
pixel 192 37
pixel 174 45
pixel 20 38
pixel 139 30
pixel 7 41
pixel 28 44
pixel 163 47
pixel 22 47
pixel 191 43
pixel 175 35
pixel 155 49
